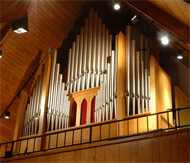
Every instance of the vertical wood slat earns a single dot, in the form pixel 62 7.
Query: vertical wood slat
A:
pixel 164 148
pixel 183 145
pixel 112 153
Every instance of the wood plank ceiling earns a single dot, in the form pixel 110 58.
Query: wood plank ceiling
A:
pixel 50 23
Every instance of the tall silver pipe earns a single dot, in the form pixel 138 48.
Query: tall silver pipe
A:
pixel 138 81
pixel 128 46
pixel 133 75
pixel 72 67
pixel 76 62
pixel 80 59
pixel 103 48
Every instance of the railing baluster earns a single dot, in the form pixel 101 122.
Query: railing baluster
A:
pixel 6 148
pixel 57 140
pixel 34 144
pixel 73 138
pixel 137 125
pixel 65 139
pixel 147 123
pixel 12 147
pixel 157 121
pixel 168 120
pixel 19 146
pixel 49 141
pixel 90 137
pixel 128 127
pixel 118 128
pixel 42 142
pixel 100 132
pixel 81 137
pixel 26 146
pixel 179 119
pixel 109 130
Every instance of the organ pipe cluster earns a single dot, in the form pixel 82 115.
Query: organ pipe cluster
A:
pixel 88 66
pixel 137 76
pixel 32 113
pixel 58 107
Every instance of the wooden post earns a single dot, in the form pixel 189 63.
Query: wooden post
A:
pixel 43 101
pixel 20 117
pixel 121 112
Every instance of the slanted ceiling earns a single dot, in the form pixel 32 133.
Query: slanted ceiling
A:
pixel 50 24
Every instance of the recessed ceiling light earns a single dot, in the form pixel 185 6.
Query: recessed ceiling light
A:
pixel 164 40
pixel 116 6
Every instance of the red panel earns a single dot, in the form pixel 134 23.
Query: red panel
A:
pixel 83 112
pixel 73 114
pixel 93 110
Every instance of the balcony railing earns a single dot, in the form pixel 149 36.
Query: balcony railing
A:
pixel 171 119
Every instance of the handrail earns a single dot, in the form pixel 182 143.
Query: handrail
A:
pixel 100 124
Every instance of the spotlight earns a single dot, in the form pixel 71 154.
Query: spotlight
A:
pixel 21 25
pixel 7 115
pixel 180 54
pixel 36 117
pixel 164 40
pixel 135 19
pixel 19 97
pixel 0 53
pixel 116 6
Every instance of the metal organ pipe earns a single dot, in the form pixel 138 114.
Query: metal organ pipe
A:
pixel 76 63
pixel 127 95
pixel 133 75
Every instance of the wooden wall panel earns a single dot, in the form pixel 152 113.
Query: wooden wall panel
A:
pixel 125 152
pixel 85 155
pixel 112 153
pixel 77 155
pixel 174 148
pixel 144 150
pixel 155 150
pixel 164 148
pixel 52 158
pixel 134 150
pixel 100 154
pixel 92 155
pixel 183 144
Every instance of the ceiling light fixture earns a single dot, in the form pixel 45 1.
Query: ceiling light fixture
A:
pixel 7 115
pixel 116 6
pixel 180 54
pixel 0 53
pixel 21 25
pixel 165 40
pixel 135 19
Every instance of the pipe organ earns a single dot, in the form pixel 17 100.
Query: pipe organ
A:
pixel 93 63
